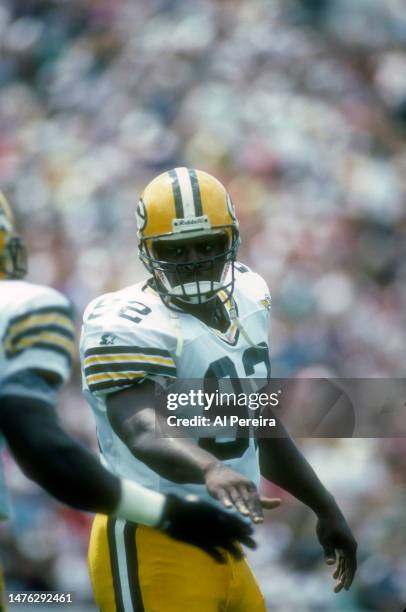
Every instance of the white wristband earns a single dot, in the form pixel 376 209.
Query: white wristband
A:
pixel 139 504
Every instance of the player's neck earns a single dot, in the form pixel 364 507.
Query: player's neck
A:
pixel 212 313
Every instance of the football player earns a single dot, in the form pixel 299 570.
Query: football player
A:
pixel 199 315
pixel 37 343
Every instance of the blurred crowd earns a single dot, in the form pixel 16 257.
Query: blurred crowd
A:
pixel 299 108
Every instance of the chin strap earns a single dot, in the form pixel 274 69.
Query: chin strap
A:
pixel 236 320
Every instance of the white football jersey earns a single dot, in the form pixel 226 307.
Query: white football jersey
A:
pixel 37 333
pixel 130 335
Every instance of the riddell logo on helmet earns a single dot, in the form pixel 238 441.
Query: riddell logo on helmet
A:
pixel 188 223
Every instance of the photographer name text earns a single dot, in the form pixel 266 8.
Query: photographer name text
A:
pixel 220 421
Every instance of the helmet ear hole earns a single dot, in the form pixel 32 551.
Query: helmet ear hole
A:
pixel 13 256
pixel 14 259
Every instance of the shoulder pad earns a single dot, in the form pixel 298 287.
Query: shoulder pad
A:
pixel 27 297
pixel 252 287
pixel 126 337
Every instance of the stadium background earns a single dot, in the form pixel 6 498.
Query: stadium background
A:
pixel 299 107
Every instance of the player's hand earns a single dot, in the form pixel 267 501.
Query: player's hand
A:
pixel 233 489
pixel 340 547
pixel 214 530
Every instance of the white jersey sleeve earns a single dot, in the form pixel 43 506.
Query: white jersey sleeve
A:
pixel 122 344
pixel 37 332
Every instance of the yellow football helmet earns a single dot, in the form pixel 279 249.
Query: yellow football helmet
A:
pixel 187 204
pixel 13 258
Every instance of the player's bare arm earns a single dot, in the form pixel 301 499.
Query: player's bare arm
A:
pixel 53 459
pixel 69 472
pixel 282 463
pixel 135 421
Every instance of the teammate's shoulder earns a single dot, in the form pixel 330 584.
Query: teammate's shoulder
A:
pixel 27 298
pixel 37 329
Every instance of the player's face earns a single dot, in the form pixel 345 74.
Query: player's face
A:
pixel 191 251
pixel 193 260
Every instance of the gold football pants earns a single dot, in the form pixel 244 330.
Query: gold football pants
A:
pixel 138 569
pixel 2 592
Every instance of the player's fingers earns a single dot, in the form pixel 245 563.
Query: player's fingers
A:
pixel 340 580
pixel 234 550
pixel 225 499
pixel 269 503
pixel 239 501
pixel 342 564
pixel 349 577
pixel 329 555
pixel 350 560
pixel 339 569
pixel 215 553
pixel 340 573
pixel 248 541
pixel 336 572
pixel 253 502
pixel 235 524
pixel 236 529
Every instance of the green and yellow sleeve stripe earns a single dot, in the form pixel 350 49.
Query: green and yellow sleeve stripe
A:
pixel 50 328
pixel 110 368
